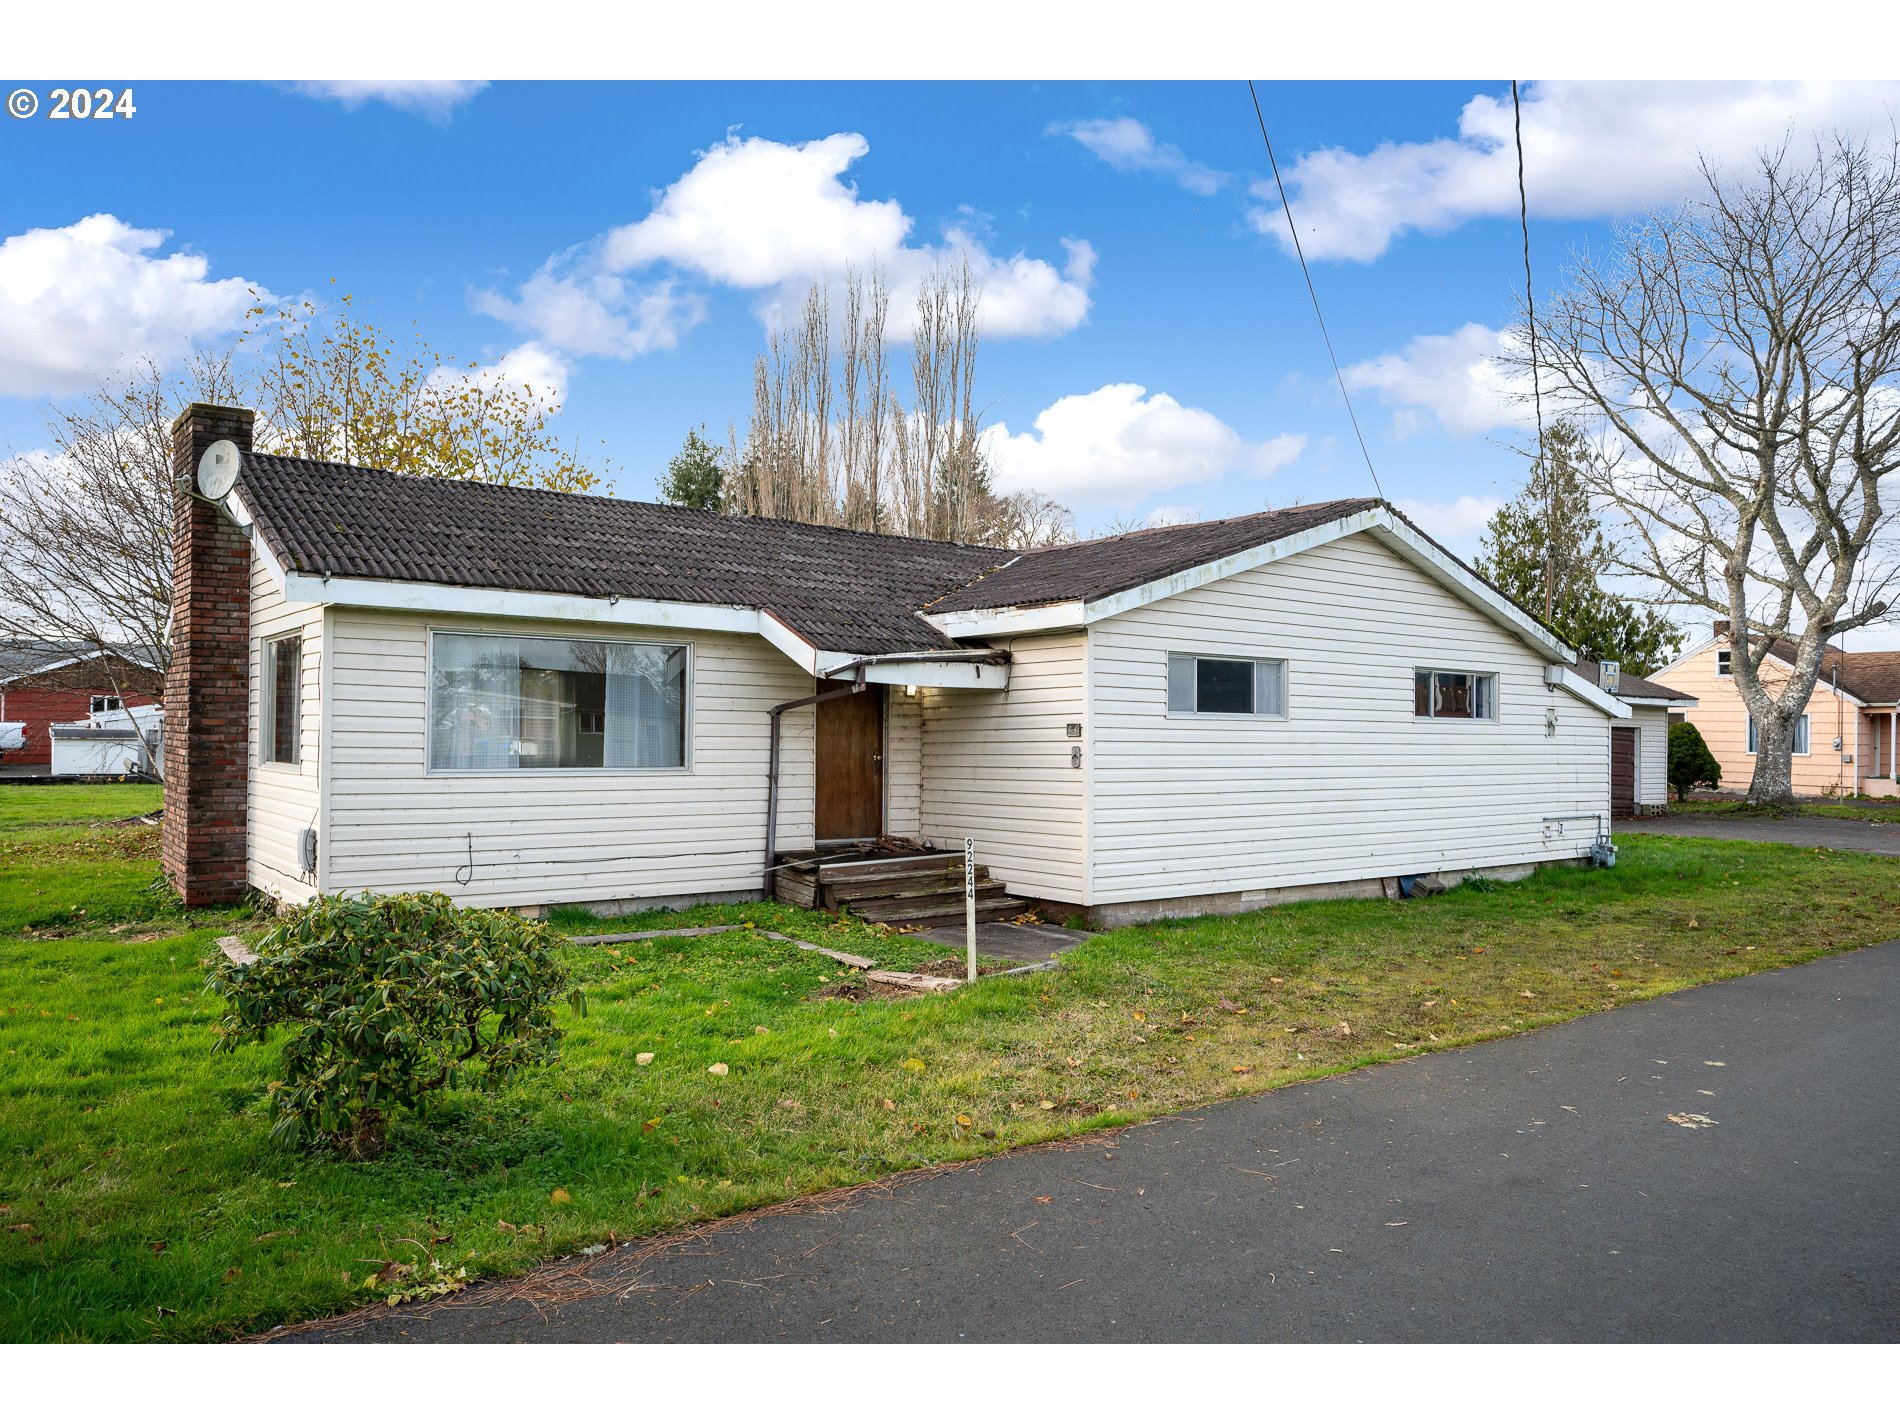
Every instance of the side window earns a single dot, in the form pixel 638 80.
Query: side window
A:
pixel 1800 735
pixel 105 704
pixel 1440 693
pixel 283 698
pixel 1722 668
pixel 1244 687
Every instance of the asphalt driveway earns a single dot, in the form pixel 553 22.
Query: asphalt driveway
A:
pixel 1834 832
pixel 1717 1165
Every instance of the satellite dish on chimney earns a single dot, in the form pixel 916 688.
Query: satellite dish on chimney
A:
pixel 218 469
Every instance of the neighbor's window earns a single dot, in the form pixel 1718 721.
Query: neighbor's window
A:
pixel 283 698
pixel 104 704
pixel 1722 669
pixel 1438 693
pixel 1253 687
pixel 1800 735
pixel 503 703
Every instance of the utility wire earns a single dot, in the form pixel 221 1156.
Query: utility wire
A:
pixel 1537 394
pixel 1299 252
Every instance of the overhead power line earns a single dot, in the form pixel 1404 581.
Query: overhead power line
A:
pixel 1537 394
pixel 1306 272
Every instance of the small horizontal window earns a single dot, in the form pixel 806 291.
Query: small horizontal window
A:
pixel 1246 687
pixel 1438 693
pixel 1800 735
pixel 506 703
pixel 105 704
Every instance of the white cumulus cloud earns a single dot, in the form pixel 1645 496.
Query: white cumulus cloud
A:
pixel 1130 145
pixel 1456 381
pixel 1452 521
pixel 1591 150
pixel 78 302
pixel 435 99
pixel 1120 443
pixel 530 369
pixel 764 217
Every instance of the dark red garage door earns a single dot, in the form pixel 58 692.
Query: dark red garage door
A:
pixel 1623 771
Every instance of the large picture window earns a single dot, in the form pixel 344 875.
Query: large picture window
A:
pixel 1249 687
pixel 1438 693
pixel 504 703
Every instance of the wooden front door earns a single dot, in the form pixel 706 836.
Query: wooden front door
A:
pixel 1622 771
pixel 850 796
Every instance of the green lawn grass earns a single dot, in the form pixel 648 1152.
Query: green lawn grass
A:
pixel 1884 809
pixel 142 1201
pixel 23 804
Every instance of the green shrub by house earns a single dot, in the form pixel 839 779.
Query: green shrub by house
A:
pixel 1691 764
pixel 389 1000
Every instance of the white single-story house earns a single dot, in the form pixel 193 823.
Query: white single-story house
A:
pixel 526 699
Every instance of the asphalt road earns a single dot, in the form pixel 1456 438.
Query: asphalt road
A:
pixel 1529 1189
pixel 1835 833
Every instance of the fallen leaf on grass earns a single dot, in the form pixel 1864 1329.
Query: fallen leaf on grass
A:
pixel 1046 1103
pixel 643 1059
pixel 963 1120
pixel 913 1066
pixel 889 1105
pixel 1242 1069
pixel 560 1195
pixel 718 1071
pixel 273 1236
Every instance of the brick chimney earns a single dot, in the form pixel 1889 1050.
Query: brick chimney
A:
pixel 204 837
pixel 1721 628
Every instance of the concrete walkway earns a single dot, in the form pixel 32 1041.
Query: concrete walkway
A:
pixel 1717 1165
pixel 1834 832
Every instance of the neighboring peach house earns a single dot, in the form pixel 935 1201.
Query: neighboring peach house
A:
pixel 1848 738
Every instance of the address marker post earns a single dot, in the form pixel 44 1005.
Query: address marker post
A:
pixel 969 902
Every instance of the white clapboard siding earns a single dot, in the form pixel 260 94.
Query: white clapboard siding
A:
pixel 996 767
pixel 1349 785
pixel 284 799
pixel 551 837
pixel 903 763
pixel 1652 754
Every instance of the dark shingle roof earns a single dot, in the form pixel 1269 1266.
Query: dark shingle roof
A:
pixel 22 656
pixel 1097 568
pixel 839 589
pixel 1873 677
pixel 1628 685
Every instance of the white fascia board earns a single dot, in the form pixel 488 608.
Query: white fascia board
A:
pixel 1637 702
pixel 1403 540
pixel 779 634
pixel 921 672
pixel 348 592
pixel 995 623
pixel 273 566
pixel 1559 675
pixel 1247 559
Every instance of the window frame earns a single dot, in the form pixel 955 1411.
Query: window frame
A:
pixel 267 721
pixel 1802 734
pixel 1725 663
pixel 1491 718
pixel 113 702
pixel 1286 686
pixel 686 708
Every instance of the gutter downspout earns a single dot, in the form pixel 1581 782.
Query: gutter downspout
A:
pixel 770 884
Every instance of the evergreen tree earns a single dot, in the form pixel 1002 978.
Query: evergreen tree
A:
pixel 1691 764
pixel 1551 519
pixel 694 477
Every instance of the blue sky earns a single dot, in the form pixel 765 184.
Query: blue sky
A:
pixel 1148 311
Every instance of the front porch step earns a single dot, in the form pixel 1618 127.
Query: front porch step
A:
pixel 993 903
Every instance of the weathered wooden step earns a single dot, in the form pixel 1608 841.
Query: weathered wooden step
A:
pixel 925 910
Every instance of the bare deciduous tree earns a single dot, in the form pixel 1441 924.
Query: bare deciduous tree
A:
pixel 830 443
pixel 1739 359
pixel 88 527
